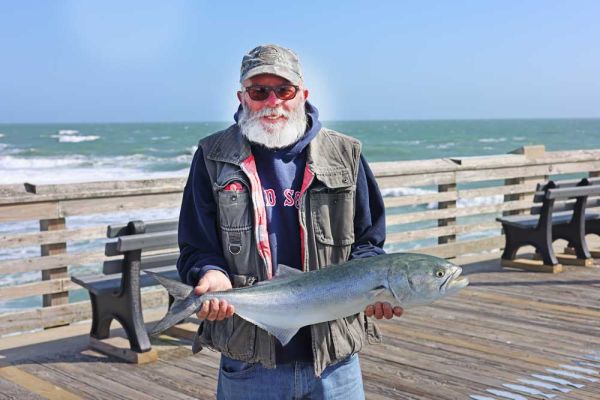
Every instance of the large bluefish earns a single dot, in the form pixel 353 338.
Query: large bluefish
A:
pixel 293 299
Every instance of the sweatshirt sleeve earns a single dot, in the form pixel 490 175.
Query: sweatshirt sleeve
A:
pixel 369 220
pixel 199 244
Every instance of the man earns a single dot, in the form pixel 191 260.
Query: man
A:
pixel 277 188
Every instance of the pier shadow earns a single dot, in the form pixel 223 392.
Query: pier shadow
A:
pixel 75 348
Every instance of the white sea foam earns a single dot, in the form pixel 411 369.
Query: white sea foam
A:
pixel 519 138
pixel 492 140
pixel 441 146
pixel 2 135
pixel 160 138
pixel 68 132
pixel 75 139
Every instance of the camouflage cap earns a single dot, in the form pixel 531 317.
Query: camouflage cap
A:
pixel 271 59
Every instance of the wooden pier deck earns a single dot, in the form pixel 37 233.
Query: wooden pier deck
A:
pixel 506 326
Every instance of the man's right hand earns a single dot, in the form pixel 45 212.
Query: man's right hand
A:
pixel 214 310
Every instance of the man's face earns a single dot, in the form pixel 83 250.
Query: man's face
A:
pixel 272 101
pixel 273 122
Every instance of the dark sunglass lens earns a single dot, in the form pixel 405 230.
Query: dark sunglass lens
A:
pixel 258 93
pixel 285 92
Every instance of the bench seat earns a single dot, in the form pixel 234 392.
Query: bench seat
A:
pixel 531 221
pixel 101 284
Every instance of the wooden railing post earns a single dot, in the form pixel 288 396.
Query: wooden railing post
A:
pixel 442 205
pixel 51 249
pixel 529 152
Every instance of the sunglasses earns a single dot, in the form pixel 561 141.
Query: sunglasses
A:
pixel 261 92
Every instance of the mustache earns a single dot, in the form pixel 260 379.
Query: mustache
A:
pixel 266 112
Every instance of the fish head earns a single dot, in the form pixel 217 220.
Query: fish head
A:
pixel 422 279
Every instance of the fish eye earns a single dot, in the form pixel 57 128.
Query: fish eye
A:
pixel 439 273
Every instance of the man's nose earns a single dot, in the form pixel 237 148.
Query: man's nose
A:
pixel 272 100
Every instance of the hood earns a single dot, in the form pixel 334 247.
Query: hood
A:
pixel 294 150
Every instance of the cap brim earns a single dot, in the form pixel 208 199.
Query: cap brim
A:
pixel 283 72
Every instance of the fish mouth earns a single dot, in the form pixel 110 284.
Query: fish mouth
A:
pixel 454 281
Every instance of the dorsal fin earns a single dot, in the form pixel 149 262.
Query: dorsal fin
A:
pixel 175 288
pixel 283 271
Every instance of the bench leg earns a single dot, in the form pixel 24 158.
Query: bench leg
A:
pixel 101 318
pixel 125 308
pixel 547 252
pixel 132 320
pixel 511 246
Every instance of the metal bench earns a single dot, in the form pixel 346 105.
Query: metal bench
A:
pixel 592 218
pixel 115 294
pixel 561 215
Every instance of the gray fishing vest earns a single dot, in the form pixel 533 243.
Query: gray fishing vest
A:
pixel 327 210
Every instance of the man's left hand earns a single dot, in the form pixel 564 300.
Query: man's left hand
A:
pixel 380 310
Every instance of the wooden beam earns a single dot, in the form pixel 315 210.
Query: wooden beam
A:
pixel 61 272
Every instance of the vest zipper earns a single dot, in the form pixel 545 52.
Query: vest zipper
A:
pixel 306 182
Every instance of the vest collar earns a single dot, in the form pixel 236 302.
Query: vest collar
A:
pixel 323 157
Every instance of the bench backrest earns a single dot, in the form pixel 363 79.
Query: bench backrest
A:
pixel 144 237
pixel 565 192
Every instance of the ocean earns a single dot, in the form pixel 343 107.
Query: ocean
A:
pixel 73 152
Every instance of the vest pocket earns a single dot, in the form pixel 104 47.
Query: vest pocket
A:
pixel 235 220
pixel 234 337
pixel 332 214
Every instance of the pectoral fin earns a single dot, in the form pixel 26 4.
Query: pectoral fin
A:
pixel 284 335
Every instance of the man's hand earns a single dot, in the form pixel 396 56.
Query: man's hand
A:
pixel 380 310
pixel 214 310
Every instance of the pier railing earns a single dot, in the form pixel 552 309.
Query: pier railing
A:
pixel 446 207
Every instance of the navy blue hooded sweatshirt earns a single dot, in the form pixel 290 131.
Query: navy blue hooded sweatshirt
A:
pixel 280 172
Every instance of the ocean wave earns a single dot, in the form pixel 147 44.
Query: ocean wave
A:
pixel 160 138
pixel 2 135
pixel 519 138
pixel 492 140
pixel 79 168
pixel 75 139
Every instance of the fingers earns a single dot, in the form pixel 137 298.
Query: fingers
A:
pixel 202 287
pixel 380 310
pixel 215 310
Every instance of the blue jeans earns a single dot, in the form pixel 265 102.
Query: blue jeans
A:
pixel 239 380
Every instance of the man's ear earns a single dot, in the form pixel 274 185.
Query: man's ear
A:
pixel 239 96
pixel 305 94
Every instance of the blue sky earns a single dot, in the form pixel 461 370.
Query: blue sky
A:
pixel 119 61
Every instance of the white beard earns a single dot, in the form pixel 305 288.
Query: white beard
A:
pixel 273 136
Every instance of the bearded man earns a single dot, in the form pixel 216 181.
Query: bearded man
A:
pixel 278 188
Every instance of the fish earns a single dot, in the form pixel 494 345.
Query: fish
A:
pixel 544 385
pixel 558 380
pixel 528 390
pixel 571 374
pixel 293 299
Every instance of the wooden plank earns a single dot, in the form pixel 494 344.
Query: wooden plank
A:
pixel 428 233
pixel 448 221
pixel 58 315
pixel 47 237
pixel 458 212
pixel 61 272
pixel 526 189
pixel 25 212
pixel 531 265
pixel 571 259
pixel 35 384
pixel 114 204
pixel 413 200
pixel 463 247
pixel 119 347
pixel 417 179
pixel 49 262
pixel 37 288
